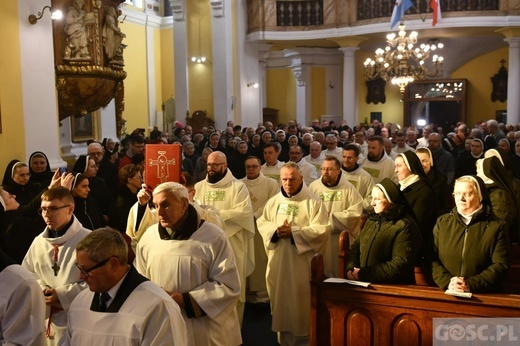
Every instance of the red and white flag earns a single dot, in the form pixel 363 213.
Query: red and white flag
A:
pixel 435 5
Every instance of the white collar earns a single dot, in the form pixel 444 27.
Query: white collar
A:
pixel 409 180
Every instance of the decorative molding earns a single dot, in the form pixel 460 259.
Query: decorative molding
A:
pixel 217 8
pixel 145 19
pixel 299 75
pixel 178 9
pixel 452 22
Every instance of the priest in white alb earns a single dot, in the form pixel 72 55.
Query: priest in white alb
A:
pixel 121 307
pixel 230 197
pixel 261 189
pixel 294 226
pixel 22 308
pixel 344 205
pixel 51 259
pixel 192 260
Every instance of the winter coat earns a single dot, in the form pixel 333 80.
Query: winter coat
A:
pixel 388 248
pixel 479 251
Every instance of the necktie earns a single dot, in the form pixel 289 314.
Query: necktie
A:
pixel 103 299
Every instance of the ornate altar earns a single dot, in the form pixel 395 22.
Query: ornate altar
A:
pixel 88 53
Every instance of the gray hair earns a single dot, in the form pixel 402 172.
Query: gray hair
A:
pixel 104 243
pixel 176 190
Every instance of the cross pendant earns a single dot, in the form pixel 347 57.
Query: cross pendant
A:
pixel 56 268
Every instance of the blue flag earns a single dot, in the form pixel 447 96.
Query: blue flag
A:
pixel 401 6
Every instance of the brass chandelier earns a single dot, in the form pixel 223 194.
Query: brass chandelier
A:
pixel 401 62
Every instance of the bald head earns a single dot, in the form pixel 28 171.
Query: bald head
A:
pixel 216 166
pixel 217 156
pixel 434 141
pixel 315 149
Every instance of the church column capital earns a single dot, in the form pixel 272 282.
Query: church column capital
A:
pixel 348 51
pixel 352 41
pixel 509 33
pixel 178 9
pixel 217 8
pixel 514 42
pixel 299 75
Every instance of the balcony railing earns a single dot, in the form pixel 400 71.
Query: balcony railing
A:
pixel 370 9
pixel 299 13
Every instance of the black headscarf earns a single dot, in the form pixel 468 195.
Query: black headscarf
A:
pixel 493 169
pixel 391 191
pixel 8 174
pixel 413 163
pixel 504 158
pixel 81 164
pixel 47 170
pixel 39 181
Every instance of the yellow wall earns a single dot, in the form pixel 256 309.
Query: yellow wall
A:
pixel 158 70
pixel 12 138
pixel 136 85
pixel 319 92
pixel 281 93
pixel 392 109
pixel 200 80
pixel 479 104
pixel 167 71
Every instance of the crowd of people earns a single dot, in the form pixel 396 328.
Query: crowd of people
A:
pixel 178 261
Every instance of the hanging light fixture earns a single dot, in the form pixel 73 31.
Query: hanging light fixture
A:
pixel 401 62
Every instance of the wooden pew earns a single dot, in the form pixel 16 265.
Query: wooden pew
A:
pixel 424 278
pixel 342 314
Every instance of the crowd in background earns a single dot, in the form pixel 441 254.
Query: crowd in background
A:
pixel 409 174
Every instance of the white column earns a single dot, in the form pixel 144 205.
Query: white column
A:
pixel 249 105
pixel 40 107
pixel 513 80
pixel 107 121
pixel 150 75
pixel 222 58
pixel 180 50
pixel 303 99
pixel 263 56
pixel 350 114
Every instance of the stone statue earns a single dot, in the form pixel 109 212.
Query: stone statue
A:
pixel 76 32
pixel 112 35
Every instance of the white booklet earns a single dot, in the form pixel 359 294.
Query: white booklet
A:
pixel 345 281
pixel 459 294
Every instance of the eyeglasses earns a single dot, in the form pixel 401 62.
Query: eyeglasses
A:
pixel 215 165
pixel 464 195
pixel 51 210
pixel 86 272
pixel 252 167
pixel 23 175
pixel 328 169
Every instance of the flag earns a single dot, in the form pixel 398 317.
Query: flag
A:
pixel 435 5
pixel 401 6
